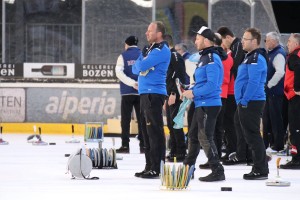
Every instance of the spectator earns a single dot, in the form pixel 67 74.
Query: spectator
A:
pixel 273 131
pixel 129 93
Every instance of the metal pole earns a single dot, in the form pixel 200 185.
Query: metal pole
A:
pixel 3 31
pixel 252 6
pixel 153 10
pixel 82 31
pixel 209 13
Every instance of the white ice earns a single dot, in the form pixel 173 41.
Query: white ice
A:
pixel 38 173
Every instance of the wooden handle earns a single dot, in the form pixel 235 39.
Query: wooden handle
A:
pixel 277 162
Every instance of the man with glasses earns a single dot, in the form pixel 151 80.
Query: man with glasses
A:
pixel 250 98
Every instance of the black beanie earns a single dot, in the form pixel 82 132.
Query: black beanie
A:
pixel 132 41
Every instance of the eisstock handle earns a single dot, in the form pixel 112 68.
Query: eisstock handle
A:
pixel 40 130
pixel 278 162
pixel 0 129
pixel 72 128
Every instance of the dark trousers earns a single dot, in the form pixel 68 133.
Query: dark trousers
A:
pixel 285 118
pixel 229 128
pixel 243 151
pixel 294 124
pixel 219 130
pixel 249 122
pixel 128 102
pixel 202 133
pixel 153 130
pixel 177 138
pixel 190 118
pixel 190 114
pixel 273 131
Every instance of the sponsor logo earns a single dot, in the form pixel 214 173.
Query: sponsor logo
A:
pixel 99 71
pixel 7 69
pixel 68 105
pixel 12 105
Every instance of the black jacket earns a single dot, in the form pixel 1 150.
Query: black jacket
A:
pixel 176 70
pixel 238 55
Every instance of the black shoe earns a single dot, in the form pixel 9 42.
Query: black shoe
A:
pixel 150 174
pixel 123 149
pixel 234 161
pixel 255 176
pixel 139 174
pixel 204 166
pixel 214 176
pixel 142 149
pixel 293 164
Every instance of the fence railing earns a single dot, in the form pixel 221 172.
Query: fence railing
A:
pixel 62 42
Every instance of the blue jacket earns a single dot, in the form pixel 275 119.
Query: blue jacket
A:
pixel 129 57
pixel 277 89
pixel 208 79
pixel 251 78
pixel 156 61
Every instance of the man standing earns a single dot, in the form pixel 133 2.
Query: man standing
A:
pixel 176 69
pixel 129 93
pixel 227 63
pixel 235 142
pixel 272 117
pixel 206 95
pixel 250 98
pixel 292 92
pixel 152 66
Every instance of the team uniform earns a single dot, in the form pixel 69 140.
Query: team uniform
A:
pixel 250 98
pixel 208 80
pixel 152 66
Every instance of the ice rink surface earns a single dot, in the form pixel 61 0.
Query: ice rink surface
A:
pixel 30 172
